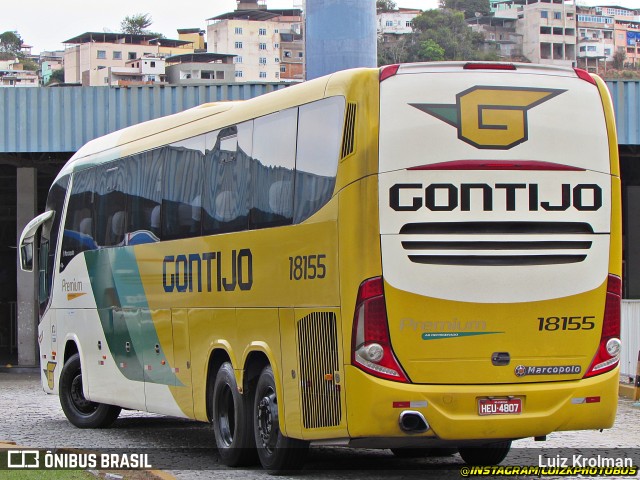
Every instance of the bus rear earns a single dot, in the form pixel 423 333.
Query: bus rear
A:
pixel 500 240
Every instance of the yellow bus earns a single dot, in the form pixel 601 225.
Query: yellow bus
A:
pixel 414 257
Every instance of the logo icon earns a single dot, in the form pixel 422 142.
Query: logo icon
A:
pixel 520 371
pixel 491 117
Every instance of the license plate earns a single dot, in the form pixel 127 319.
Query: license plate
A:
pixel 499 406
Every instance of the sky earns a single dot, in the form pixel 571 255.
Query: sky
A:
pixel 45 24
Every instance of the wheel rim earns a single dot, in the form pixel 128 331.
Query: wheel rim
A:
pixel 267 415
pixel 226 416
pixel 81 404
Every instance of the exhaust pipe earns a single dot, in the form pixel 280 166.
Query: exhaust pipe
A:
pixel 413 422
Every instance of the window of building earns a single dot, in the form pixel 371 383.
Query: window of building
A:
pixel 287 54
pixel 276 31
pixel 131 55
pixel 389 23
pixel 571 32
pixel 557 30
pixel 237 59
pixel 262 46
pixel 276 45
pixel 557 15
pixel 545 30
pixel 277 74
pixel 238 30
pixel 263 74
pixel 238 45
pixel 102 54
pixel 117 55
pixel 238 73
pixel 283 69
pixel 153 64
pixel 262 31
pixel 607 51
pixel 544 13
pixel 262 60
pixel 591 48
pixel 276 60
pixel 220 75
pixel 300 54
pixel 409 24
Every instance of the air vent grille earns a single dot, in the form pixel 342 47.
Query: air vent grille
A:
pixel 319 365
pixel 348 141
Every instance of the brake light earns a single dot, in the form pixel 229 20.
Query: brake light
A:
pixel 496 165
pixel 371 349
pixel 388 71
pixel 584 75
pixel 489 66
pixel 608 354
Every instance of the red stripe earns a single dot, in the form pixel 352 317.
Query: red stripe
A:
pixel 497 165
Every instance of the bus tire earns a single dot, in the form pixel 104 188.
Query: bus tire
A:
pixel 79 411
pixel 485 455
pixel 277 453
pixel 231 420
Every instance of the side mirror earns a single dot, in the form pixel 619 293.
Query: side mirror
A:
pixel 27 240
pixel 26 255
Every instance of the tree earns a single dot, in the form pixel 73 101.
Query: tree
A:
pixel 11 43
pixel 430 51
pixel 385 5
pixel 469 7
pixel 448 30
pixel 56 77
pixel 136 24
pixel 618 59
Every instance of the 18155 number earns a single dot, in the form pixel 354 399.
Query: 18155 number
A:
pixel 307 267
pixel 551 324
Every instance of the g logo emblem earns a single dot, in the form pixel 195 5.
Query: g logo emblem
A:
pixel 491 117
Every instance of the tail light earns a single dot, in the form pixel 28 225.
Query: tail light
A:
pixel 371 349
pixel 608 354
pixel 388 71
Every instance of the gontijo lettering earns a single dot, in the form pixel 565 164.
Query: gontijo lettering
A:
pixel 186 272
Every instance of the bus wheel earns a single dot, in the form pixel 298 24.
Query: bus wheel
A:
pixel 490 454
pixel 277 453
pixel 232 424
pixel 81 412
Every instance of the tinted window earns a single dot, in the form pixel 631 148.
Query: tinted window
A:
pixel 272 167
pixel 226 194
pixel 80 225
pixel 143 175
pixel 110 204
pixel 182 188
pixel 319 135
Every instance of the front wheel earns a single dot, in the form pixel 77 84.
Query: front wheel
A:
pixel 485 455
pixel 231 420
pixel 81 412
pixel 277 453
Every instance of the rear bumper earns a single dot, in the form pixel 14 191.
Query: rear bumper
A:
pixel 452 410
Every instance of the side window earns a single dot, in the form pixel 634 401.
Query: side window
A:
pixel 110 218
pixel 182 188
pixel 143 186
pixel 272 169
pixel 319 136
pixel 80 226
pixel 49 240
pixel 226 192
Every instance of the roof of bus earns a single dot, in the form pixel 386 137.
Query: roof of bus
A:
pixel 195 121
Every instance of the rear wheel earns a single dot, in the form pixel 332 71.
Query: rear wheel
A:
pixel 232 425
pixel 277 453
pixel 81 412
pixel 485 455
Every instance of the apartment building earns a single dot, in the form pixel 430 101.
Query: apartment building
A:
pixel 596 44
pixel 268 44
pixel 391 24
pixel 148 70
pixel 200 69
pixel 626 33
pixel 91 52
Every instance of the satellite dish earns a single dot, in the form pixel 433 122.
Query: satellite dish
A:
pixel 478 14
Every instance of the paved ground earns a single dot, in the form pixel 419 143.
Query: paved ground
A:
pixel 31 418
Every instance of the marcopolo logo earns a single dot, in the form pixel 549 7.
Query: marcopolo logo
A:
pixel 522 370
pixel 491 117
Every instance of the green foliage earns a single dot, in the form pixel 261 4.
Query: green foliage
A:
pixel 136 24
pixel 56 77
pixel 430 51
pixel 618 59
pixel 449 30
pixel 10 42
pixel 385 5
pixel 469 7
